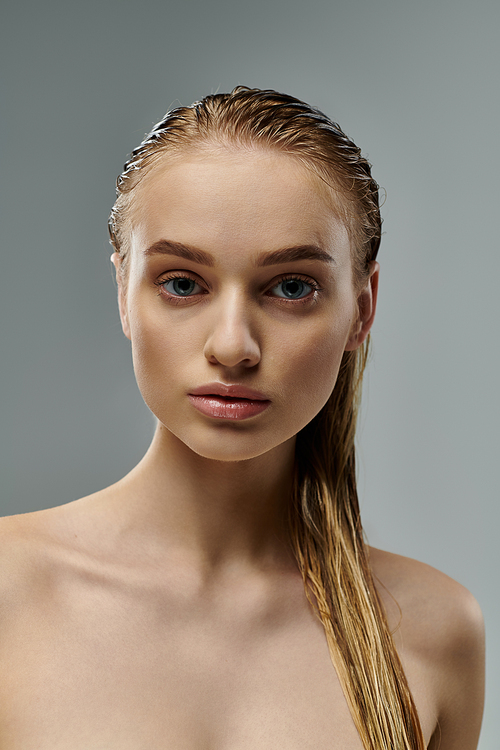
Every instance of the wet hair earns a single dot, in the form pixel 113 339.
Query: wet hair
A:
pixel 324 522
pixel 249 119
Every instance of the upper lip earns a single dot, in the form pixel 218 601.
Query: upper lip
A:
pixel 233 391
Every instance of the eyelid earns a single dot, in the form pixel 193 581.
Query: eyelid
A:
pixel 310 298
pixel 179 274
pixel 291 277
pixel 185 274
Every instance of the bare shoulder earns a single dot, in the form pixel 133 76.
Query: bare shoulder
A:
pixel 28 550
pixel 438 629
pixel 21 542
pixel 435 607
pixel 14 546
pixel 17 565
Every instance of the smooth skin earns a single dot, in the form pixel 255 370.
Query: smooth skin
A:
pixel 166 611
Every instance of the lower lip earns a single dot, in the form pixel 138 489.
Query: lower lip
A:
pixel 228 408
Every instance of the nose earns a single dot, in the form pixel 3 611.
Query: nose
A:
pixel 231 342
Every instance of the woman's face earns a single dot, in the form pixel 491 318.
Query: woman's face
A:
pixel 240 275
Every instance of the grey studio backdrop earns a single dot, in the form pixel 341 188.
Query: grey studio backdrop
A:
pixel 416 85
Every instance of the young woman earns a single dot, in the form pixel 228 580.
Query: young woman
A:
pixel 221 595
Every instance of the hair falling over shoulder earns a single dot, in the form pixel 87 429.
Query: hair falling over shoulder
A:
pixel 327 539
pixel 324 521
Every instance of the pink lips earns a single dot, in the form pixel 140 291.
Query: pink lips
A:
pixel 228 401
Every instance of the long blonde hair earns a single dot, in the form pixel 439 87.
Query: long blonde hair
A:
pixel 324 521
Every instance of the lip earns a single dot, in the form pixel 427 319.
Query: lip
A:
pixel 231 391
pixel 234 402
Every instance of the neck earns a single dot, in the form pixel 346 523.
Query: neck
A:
pixel 217 513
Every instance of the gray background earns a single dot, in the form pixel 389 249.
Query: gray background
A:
pixel 416 85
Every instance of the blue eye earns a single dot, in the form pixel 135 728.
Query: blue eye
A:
pixel 292 289
pixel 182 286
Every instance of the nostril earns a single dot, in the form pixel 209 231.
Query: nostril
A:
pixel 232 352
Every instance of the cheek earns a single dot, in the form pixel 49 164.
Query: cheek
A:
pixel 312 364
pixel 158 353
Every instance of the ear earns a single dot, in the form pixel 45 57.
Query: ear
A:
pixel 122 299
pixel 366 304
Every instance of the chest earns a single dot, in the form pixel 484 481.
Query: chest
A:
pixel 113 669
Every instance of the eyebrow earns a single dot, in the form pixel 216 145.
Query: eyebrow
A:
pixel 290 254
pixel 285 255
pixel 167 247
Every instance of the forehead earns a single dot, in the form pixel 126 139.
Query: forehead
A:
pixel 248 201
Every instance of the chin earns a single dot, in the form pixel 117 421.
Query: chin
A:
pixel 227 444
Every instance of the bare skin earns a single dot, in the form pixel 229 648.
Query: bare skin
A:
pixel 167 611
pixel 110 641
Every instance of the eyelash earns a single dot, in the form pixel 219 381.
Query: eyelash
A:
pixel 286 277
pixel 311 297
pixel 172 298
